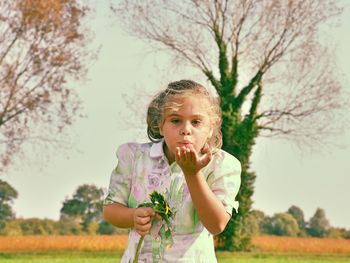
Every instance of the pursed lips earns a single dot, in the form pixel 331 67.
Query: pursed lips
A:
pixel 184 143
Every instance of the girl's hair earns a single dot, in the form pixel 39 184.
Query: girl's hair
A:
pixel 168 99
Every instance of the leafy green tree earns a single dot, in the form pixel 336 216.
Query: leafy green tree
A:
pixel 336 233
pixel 255 221
pixel 318 224
pixel 266 62
pixel 298 214
pixel 7 195
pixel 12 228
pixel 68 226
pixel 106 228
pixel 347 234
pixel 85 206
pixel 36 226
pixel 284 224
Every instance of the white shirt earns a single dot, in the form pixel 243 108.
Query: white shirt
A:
pixel 142 169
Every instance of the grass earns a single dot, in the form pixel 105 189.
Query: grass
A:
pixel 108 257
pixel 105 249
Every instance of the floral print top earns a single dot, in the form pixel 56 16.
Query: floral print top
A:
pixel 142 169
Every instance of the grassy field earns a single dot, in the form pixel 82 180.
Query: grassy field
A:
pixel 109 257
pixel 105 249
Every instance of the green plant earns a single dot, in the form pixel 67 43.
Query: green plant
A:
pixel 160 206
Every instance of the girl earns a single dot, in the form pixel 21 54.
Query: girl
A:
pixel 183 162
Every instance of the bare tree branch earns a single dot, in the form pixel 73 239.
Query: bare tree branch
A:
pixel 248 42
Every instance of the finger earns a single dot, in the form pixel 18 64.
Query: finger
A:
pixel 144 211
pixel 192 154
pixel 181 154
pixel 142 232
pixel 150 211
pixel 185 153
pixel 142 220
pixel 158 217
pixel 143 228
pixel 205 159
pixel 178 153
pixel 205 149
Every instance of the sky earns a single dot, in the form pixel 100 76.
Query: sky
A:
pixel 286 174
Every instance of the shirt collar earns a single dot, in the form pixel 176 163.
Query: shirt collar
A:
pixel 157 149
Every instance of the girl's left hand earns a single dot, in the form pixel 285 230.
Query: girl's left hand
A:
pixel 190 161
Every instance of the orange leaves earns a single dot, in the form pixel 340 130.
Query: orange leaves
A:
pixel 43 44
pixel 34 12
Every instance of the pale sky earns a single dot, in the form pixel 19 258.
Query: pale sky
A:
pixel 286 175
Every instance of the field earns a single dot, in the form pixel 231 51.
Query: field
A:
pixel 105 249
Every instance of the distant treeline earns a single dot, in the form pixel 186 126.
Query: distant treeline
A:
pixel 82 215
pixel 292 223
pixel 36 226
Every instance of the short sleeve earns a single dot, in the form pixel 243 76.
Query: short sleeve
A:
pixel 120 181
pixel 225 180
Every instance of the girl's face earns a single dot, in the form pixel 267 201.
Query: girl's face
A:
pixel 187 124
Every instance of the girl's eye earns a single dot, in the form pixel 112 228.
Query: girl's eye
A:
pixel 175 121
pixel 196 122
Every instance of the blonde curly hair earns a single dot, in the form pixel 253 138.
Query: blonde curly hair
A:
pixel 168 99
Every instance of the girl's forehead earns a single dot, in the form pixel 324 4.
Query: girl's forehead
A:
pixel 195 104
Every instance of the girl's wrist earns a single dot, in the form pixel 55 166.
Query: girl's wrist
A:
pixel 192 176
pixel 133 210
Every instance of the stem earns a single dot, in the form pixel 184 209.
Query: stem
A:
pixel 138 249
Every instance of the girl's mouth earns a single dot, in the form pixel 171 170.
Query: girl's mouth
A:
pixel 184 143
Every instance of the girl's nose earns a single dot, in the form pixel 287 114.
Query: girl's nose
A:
pixel 186 129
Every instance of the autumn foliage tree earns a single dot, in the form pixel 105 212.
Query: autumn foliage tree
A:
pixel 41 48
pixel 266 62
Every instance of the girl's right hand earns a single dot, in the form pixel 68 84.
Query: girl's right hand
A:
pixel 143 219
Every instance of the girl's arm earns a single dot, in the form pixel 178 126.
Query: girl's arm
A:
pixel 210 210
pixel 124 217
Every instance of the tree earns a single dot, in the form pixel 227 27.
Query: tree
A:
pixel 41 48
pixel 7 195
pixel 106 228
pixel 85 206
pixel 255 222
pixel 266 62
pixel 284 224
pixel 67 226
pixel 318 224
pixel 36 226
pixel 336 233
pixel 298 214
pixel 11 228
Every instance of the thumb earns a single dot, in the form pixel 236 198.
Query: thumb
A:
pixel 158 217
pixel 150 211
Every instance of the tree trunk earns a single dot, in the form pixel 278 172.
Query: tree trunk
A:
pixel 238 139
